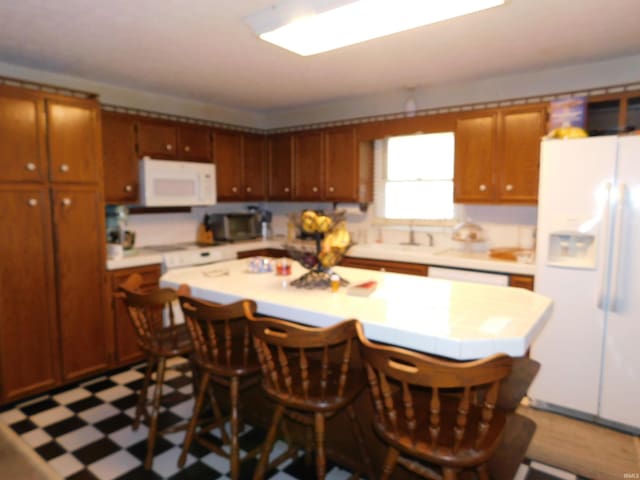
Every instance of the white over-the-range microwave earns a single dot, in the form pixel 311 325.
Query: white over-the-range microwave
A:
pixel 170 183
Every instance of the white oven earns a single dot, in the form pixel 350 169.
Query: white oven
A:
pixel 169 183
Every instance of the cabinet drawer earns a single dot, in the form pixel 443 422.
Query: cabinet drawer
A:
pixel 522 281
pixel 385 265
pixel 150 276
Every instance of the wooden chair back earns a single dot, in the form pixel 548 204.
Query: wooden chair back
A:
pixel 441 411
pixel 153 315
pixel 220 335
pixel 309 368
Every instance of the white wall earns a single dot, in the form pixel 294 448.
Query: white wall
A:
pixel 610 72
pixel 126 97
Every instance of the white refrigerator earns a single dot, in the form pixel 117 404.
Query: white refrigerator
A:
pixel 588 262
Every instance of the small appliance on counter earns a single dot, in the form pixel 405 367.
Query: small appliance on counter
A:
pixel 468 233
pixel 232 227
pixel 118 237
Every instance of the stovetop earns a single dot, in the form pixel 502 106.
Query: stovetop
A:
pixel 179 255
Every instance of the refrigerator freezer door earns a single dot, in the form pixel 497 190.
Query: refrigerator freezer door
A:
pixel 573 179
pixel 620 396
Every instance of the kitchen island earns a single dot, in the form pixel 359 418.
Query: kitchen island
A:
pixel 451 319
pixel 457 320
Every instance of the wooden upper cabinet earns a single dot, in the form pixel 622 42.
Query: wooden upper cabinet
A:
pixel 120 159
pixel 254 167
pixel 22 141
pixel 28 332
pixel 519 133
pixel 279 167
pixel 194 143
pixel 475 149
pixel 341 165
pixel 227 155
pixel 308 159
pixel 73 139
pixel 157 139
pixel 79 238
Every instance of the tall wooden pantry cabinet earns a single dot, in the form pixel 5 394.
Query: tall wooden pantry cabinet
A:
pixel 52 317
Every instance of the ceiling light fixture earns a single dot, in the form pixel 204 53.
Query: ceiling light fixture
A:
pixel 308 27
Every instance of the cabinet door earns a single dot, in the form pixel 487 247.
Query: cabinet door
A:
pixel 194 143
pixel 308 155
pixel 475 150
pixel 127 349
pixel 79 242
pixel 227 155
pixel 22 142
pixel 520 132
pixel 280 157
pixel 341 166
pixel 157 139
pixel 120 158
pixel 28 334
pixel 254 167
pixel 521 281
pixel 73 139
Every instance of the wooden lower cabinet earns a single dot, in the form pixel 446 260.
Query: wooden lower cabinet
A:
pixel 126 343
pixel 262 252
pixel 28 330
pixel 385 265
pixel 521 281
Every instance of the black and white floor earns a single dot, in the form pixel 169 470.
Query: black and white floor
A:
pixel 84 432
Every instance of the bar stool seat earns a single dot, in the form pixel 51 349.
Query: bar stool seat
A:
pixel 311 375
pixel 152 315
pixel 224 356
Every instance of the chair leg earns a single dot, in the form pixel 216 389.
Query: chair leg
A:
pixel 268 443
pixel 483 472
pixel 357 432
pixel 449 474
pixel 217 413
pixel 153 422
pixel 308 445
pixel 389 463
pixel 235 432
pixel 321 456
pixel 142 396
pixel 193 423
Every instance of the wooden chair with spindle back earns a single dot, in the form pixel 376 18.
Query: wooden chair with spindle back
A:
pixel 437 417
pixel 224 355
pixel 159 337
pixel 310 373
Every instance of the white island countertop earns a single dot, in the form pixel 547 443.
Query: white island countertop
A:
pixel 457 320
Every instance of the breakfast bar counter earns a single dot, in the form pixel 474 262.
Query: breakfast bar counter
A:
pixel 457 320
pixel 451 319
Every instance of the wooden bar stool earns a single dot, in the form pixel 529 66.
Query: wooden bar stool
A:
pixel 310 374
pixel 224 355
pixel 158 341
pixel 437 417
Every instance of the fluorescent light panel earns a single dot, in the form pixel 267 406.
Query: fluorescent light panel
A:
pixel 310 27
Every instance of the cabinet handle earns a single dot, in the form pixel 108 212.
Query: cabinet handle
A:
pixel 483 187
pixel 64 168
pixel 169 147
pixel 508 187
pixel 128 188
pixel 234 189
pixel 32 202
pixel 248 189
pixel 331 189
pixel 66 202
pixel 314 189
pixel 286 189
pixel 187 148
pixel 30 167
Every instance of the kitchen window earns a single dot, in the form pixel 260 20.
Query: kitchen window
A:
pixel 414 178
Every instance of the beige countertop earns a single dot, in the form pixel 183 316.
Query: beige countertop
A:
pixel 439 256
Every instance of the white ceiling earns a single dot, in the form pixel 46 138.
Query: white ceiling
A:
pixel 202 49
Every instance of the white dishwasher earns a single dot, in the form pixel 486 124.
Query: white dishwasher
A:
pixel 500 279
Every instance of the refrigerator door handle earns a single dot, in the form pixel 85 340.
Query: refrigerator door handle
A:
pixel 604 233
pixel 615 259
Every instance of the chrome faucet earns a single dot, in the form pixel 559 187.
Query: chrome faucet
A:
pixel 412 237
pixel 430 237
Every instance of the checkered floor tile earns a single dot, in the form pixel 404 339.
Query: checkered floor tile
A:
pixel 84 432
